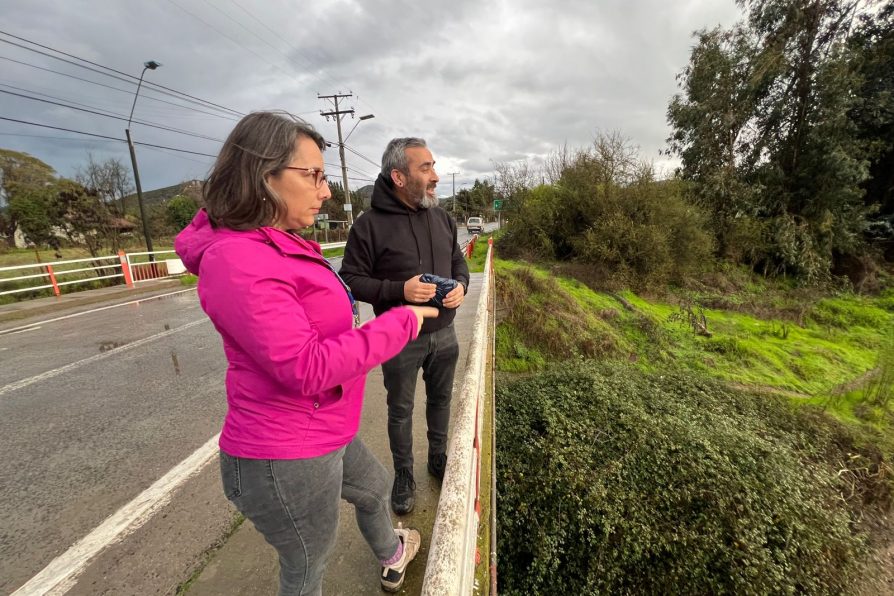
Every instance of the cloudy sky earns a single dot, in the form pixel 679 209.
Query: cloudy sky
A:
pixel 482 81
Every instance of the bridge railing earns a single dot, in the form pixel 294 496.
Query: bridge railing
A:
pixel 453 554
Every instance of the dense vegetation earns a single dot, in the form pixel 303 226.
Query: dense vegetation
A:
pixel 785 127
pixel 697 372
pixel 628 483
pixel 702 453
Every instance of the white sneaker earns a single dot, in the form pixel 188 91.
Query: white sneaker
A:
pixel 393 575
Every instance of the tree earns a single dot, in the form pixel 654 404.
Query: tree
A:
pixel 22 178
pixel 712 128
pixel 179 211
pixel 763 129
pixel 873 114
pixel 110 179
pixel 35 213
pixel 85 217
pixel 335 207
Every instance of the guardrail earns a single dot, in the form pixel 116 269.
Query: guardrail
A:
pixel 145 266
pixel 450 570
pixel 49 274
pixel 130 268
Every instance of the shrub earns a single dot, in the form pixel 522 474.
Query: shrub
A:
pixel 615 482
pixel 606 210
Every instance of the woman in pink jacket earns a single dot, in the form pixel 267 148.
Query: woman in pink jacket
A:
pixel 297 364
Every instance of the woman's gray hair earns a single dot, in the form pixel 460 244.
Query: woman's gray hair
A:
pixel 236 192
pixel 395 156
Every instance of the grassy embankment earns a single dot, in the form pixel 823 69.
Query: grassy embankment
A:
pixel 690 457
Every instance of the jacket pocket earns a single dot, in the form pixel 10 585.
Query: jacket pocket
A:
pixel 230 473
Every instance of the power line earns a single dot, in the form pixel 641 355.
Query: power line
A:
pixel 309 63
pixel 92 134
pixel 129 78
pixel 114 116
pixel 219 32
pixel 360 155
pixel 147 96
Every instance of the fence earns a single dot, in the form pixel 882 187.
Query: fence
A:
pixel 453 554
pixel 145 266
pixel 129 268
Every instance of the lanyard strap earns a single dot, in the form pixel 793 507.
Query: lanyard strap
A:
pixel 355 309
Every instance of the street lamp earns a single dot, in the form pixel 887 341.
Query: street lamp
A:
pixel 151 65
pixel 344 168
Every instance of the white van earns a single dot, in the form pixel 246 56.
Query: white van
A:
pixel 475 225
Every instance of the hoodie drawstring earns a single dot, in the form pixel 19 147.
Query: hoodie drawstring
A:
pixel 416 240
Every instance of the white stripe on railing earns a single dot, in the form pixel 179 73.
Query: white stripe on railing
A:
pixel 450 570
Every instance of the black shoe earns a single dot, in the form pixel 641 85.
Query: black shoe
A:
pixel 403 492
pixel 437 464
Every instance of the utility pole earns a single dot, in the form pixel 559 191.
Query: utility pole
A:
pixel 337 114
pixel 453 174
pixel 151 65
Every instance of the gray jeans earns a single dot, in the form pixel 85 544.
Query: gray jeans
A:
pixel 436 353
pixel 294 504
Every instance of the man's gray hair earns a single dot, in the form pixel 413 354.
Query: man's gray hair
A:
pixel 395 156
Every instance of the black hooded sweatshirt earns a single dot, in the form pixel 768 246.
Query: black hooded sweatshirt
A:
pixel 391 243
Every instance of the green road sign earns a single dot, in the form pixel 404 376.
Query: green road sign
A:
pixel 498 204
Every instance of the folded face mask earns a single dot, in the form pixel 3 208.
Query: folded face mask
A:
pixel 445 286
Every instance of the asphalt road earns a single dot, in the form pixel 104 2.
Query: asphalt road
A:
pixel 93 410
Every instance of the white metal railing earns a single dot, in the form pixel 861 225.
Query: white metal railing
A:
pixel 51 272
pixel 130 268
pixel 150 267
pixel 450 569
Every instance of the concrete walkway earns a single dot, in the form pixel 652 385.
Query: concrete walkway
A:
pixel 246 564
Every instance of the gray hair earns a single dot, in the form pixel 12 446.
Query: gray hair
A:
pixel 236 192
pixel 395 156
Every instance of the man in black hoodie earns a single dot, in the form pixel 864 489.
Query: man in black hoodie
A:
pixel 403 236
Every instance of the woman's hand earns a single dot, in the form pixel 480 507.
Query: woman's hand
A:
pixel 422 313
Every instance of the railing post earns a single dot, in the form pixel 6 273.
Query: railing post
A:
pixel 53 279
pixel 125 269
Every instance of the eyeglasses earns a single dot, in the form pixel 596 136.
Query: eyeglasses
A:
pixel 318 174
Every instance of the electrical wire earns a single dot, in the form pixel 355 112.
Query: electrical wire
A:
pixel 114 116
pixel 127 78
pixel 144 95
pixel 92 134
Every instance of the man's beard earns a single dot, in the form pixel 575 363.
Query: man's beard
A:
pixel 421 198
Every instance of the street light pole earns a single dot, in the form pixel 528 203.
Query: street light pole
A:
pixel 151 65
pixel 453 174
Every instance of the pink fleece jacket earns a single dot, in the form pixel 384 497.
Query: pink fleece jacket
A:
pixel 297 367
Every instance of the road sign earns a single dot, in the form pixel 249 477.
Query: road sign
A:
pixel 348 206
pixel 498 204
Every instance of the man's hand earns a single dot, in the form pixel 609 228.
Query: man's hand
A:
pixel 455 297
pixel 418 292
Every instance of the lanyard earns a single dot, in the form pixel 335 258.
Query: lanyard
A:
pixel 355 309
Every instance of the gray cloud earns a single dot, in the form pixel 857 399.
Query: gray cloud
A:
pixel 482 81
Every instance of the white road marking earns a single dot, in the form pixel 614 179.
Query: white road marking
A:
pixel 102 355
pixel 93 310
pixel 25 330
pixel 62 573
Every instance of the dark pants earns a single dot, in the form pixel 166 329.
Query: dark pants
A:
pixel 436 353
pixel 294 504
